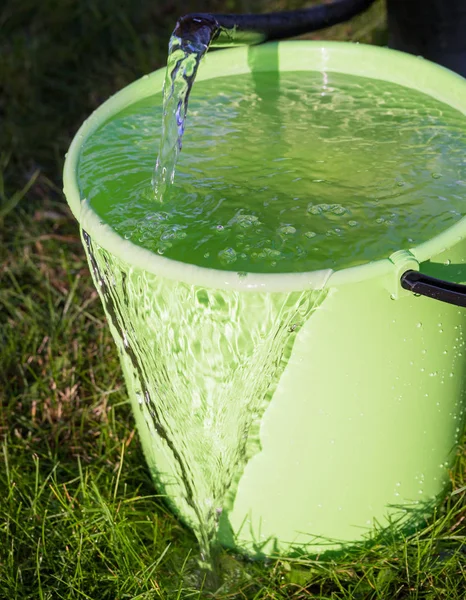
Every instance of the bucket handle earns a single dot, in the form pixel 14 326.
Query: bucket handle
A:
pixel 424 285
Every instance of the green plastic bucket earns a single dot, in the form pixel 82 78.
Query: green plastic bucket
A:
pixel 364 422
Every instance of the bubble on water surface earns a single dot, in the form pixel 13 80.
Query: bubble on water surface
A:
pixel 269 253
pixel 227 256
pixel 286 230
pixel 247 220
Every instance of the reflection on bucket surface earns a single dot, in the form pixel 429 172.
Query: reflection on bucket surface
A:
pixel 298 409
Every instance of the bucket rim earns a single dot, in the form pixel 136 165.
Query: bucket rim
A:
pixel 343 57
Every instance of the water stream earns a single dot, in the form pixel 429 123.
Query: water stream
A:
pixel 186 49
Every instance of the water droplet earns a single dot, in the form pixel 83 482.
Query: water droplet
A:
pixel 310 234
pixel 419 325
pixel 436 175
pixel 352 223
pixel 220 227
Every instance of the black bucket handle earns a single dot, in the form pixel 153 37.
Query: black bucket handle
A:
pixel 425 285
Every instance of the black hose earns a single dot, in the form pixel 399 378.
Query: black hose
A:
pixel 257 28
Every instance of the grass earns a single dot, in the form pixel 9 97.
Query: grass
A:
pixel 79 516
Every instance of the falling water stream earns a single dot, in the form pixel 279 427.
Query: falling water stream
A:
pixel 186 49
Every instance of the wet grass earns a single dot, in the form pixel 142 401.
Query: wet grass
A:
pixel 79 516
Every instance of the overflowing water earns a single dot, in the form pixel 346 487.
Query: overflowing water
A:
pixel 203 364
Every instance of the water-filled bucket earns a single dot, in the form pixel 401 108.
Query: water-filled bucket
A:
pixel 360 428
